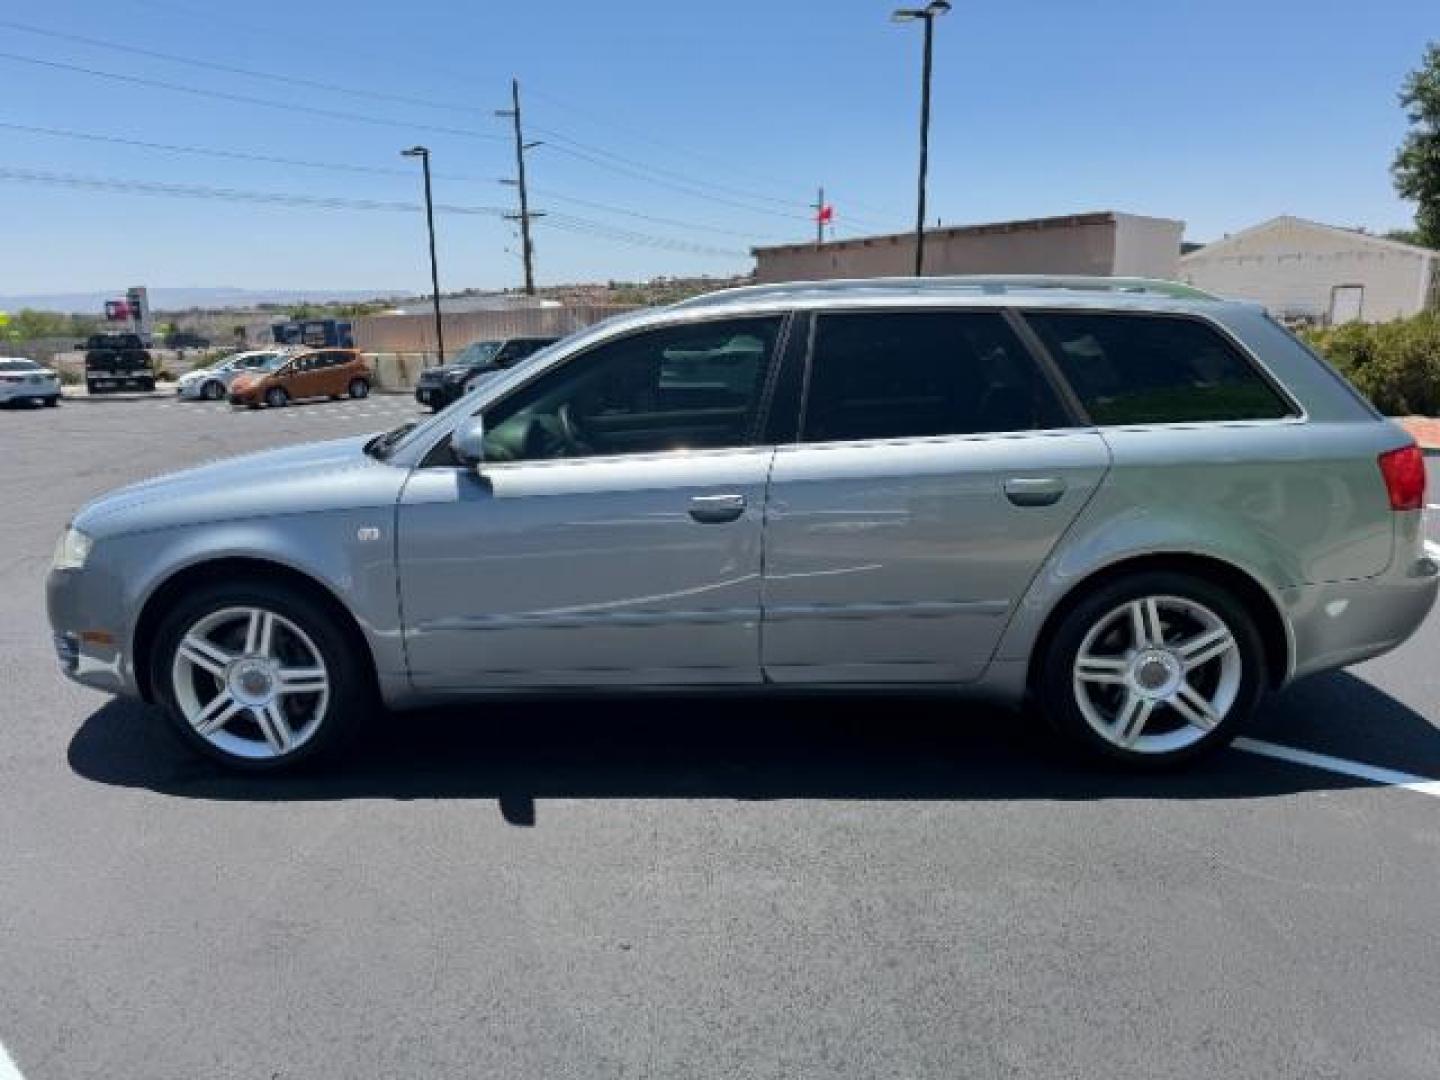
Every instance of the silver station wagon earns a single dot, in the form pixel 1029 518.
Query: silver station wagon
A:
pixel 1131 504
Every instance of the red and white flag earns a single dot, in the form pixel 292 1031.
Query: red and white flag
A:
pixel 825 215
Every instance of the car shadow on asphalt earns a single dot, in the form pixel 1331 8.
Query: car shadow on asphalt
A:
pixel 870 748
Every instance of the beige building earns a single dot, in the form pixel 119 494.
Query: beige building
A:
pixel 1304 270
pixel 1106 242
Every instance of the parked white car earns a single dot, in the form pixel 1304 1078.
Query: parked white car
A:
pixel 25 380
pixel 213 382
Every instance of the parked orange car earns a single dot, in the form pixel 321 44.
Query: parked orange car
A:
pixel 333 373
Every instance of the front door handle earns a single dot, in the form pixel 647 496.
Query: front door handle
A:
pixel 716 509
pixel 1034 490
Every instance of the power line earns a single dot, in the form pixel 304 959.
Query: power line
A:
pixel 287 199
pixel 709 159
pixel 231 69
pixel 360 118
pixel 246 99
pixel 369 170
pixel 692 186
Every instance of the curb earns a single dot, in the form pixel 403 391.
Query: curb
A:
pixel 166 392
pixel 162 392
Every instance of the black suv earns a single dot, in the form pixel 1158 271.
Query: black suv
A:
pixel 116 361
pixel 439 386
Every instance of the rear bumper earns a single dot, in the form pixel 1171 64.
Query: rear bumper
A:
pixel 28 391
pixel 1344 622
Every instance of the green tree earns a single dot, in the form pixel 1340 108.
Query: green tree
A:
pixel 1416 168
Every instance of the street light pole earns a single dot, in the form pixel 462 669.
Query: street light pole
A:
pixel 423 154
pixel 928 14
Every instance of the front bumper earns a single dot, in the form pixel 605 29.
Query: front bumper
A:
pixel 436 395
pixel 90 631
pixel 189 391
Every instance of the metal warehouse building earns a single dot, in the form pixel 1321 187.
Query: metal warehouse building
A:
pixel 1106 242
pixel 1304 270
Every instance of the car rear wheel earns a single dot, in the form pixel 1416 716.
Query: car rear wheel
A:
pixel 213 391
pixel 359 388
pixel 276 397
pixel 256 676
pixel 1153 670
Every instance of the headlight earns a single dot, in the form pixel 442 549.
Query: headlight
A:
pixel 72 550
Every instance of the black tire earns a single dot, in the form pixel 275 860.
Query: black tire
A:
pixel 359 388
pixel 52 402
pixel 276 397
pixel 1056 690
pixel 92 387
pixel 148 385
pixel 212 390
pixel 350 693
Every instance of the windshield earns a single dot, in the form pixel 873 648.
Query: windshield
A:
pixel 19 365
pixel 477 353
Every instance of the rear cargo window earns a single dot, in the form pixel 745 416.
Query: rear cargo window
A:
pixel 1155 369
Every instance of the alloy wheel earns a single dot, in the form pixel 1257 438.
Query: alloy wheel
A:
pixel 250 682
pixel 1157 674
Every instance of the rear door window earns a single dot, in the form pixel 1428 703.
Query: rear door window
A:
pixel 1155 369
pixel 901 374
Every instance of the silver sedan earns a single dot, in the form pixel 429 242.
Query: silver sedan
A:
pixel 25 380
pixel 213 382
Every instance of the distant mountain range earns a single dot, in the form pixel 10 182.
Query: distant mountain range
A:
pixel 165 299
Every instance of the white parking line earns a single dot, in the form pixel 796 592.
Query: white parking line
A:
pixel 1422 785
pixel 8 1069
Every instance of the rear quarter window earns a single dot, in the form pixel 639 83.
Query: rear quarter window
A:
pixel 1155 369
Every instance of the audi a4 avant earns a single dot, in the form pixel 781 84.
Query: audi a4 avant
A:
pixel 1129 503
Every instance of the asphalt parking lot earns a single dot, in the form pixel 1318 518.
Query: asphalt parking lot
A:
pixel 867 888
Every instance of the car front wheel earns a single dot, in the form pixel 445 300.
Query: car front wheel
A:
pixel 1153 670
pixel 359 388
pixel 213 391
pixel 257 677
pixel 276 397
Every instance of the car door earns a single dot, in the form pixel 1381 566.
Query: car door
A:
pixel 936 469
pixel 309 378
pixel 613 534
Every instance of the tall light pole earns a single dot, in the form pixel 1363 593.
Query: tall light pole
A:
pixel 423 154
pixel 928 13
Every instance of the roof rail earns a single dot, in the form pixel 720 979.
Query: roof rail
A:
pixel 997 284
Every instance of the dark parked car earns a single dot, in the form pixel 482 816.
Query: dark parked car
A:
pixel 439 386
pixel 117 361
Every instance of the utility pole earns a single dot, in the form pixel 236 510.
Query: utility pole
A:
pixel 820 216
pixel 524 216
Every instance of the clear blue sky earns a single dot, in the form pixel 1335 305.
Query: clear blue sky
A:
pixel 1221 114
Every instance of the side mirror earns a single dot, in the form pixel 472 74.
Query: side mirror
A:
pixel 468 442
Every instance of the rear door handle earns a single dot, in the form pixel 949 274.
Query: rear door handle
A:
pixel 1034 490
pixel 716 509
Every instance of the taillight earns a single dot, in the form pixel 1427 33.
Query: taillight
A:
pixel 1404 472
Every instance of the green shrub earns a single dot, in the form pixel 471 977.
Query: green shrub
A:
pixel 1395 364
